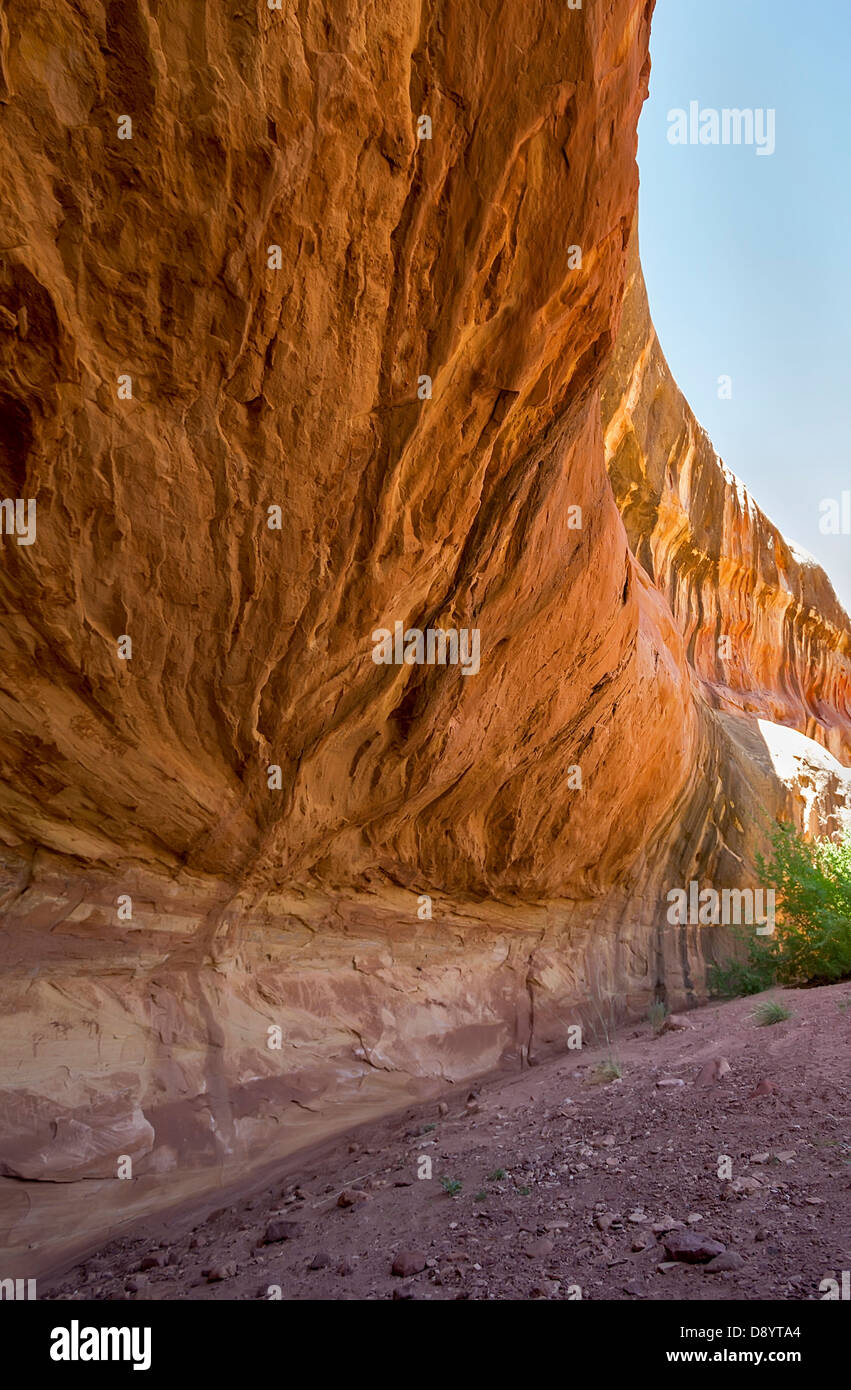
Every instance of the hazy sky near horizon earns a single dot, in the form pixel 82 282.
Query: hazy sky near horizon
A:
pixel 748 257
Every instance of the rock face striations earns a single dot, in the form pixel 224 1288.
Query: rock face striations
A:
pixel 304 319
pixel 762 626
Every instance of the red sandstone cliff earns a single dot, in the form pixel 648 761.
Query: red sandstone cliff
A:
pixel 255 387
pixel 725 570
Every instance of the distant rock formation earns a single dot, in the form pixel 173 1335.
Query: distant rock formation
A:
pixel 280 373
pixel 762 625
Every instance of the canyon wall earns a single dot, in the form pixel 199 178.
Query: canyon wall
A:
pixel 256 886
pixel 762 626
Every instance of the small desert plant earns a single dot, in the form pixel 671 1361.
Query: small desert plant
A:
pixel 481 1196
pixel 604 1072
pixel 753 971
pixel 656 1015
pixel 497 1175
pixel 610 1069
pixel 769 1011
pixel 451 1186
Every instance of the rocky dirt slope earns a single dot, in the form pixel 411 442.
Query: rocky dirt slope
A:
pixel 568 1186
pixel 230 311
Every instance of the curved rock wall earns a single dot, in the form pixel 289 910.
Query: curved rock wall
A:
pixel 762 625
pixel 256 885
pixel 297 387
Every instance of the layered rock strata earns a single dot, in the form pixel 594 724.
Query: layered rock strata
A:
pixel 364 375
pixel 762 626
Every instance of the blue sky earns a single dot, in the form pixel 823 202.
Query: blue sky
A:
pixel 748 257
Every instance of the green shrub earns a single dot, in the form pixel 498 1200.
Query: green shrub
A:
pixel 812 938
pixel 604 1072
pixel 770 1011
pixel 656 1015
pixel 812 944
pixel 753 971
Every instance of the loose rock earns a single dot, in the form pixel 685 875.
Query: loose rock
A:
pixel 689 1247
pixel 712 1072
pixel 280 1229
pixel 728 1260
pixel 351 1197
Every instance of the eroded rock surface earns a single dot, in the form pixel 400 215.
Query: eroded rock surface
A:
pixel 301 909
pixel 763 627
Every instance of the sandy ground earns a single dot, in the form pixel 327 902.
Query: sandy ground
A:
pixel 569 1183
